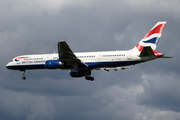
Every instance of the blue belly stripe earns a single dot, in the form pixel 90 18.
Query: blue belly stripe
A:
pixel 112 64
pixel 26 67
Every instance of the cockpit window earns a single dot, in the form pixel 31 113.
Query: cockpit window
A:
pixel 11 60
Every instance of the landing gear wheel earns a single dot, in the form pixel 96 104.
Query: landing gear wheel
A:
pixel 23 77
pixel 89 78
pixel 23 74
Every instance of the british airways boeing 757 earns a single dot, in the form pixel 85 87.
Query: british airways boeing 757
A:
pixel 81 64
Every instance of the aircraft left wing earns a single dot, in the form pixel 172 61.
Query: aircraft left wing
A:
pixel 68 57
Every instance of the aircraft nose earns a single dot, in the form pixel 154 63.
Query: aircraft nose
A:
pixel 8 66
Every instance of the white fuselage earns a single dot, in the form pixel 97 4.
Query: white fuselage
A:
pixel 92 59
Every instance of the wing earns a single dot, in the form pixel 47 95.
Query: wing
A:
pixel 68 57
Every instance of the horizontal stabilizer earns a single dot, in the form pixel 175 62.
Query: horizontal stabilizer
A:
pixel 166 57
pixel 146 51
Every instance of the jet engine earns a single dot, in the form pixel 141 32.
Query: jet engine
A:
pixel 79 73
pixel 53 64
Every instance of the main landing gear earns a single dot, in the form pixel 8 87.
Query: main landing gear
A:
pixel 89 78
pixel 23 74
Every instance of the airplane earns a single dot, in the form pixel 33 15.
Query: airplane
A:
pixel 81 64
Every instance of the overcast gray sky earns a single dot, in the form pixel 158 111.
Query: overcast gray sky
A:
pixel 147 91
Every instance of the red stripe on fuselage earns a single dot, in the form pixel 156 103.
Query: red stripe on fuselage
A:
pixel 21 57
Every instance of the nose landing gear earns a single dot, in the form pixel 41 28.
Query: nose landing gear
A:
pixel 23 74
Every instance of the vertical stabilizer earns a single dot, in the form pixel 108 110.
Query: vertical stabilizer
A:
pixel 152 37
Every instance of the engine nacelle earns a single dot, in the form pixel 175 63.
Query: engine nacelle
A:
pixel 53 64
pixel 79 73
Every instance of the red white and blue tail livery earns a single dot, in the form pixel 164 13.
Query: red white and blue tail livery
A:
pixel 152 37
pixel 81 64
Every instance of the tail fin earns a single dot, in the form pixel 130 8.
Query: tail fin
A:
pixel 152 37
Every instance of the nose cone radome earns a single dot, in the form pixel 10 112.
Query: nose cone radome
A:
pixel 9 65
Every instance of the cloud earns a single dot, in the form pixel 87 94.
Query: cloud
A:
pixel 145 91
pixel 160 91
pixel 52 7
